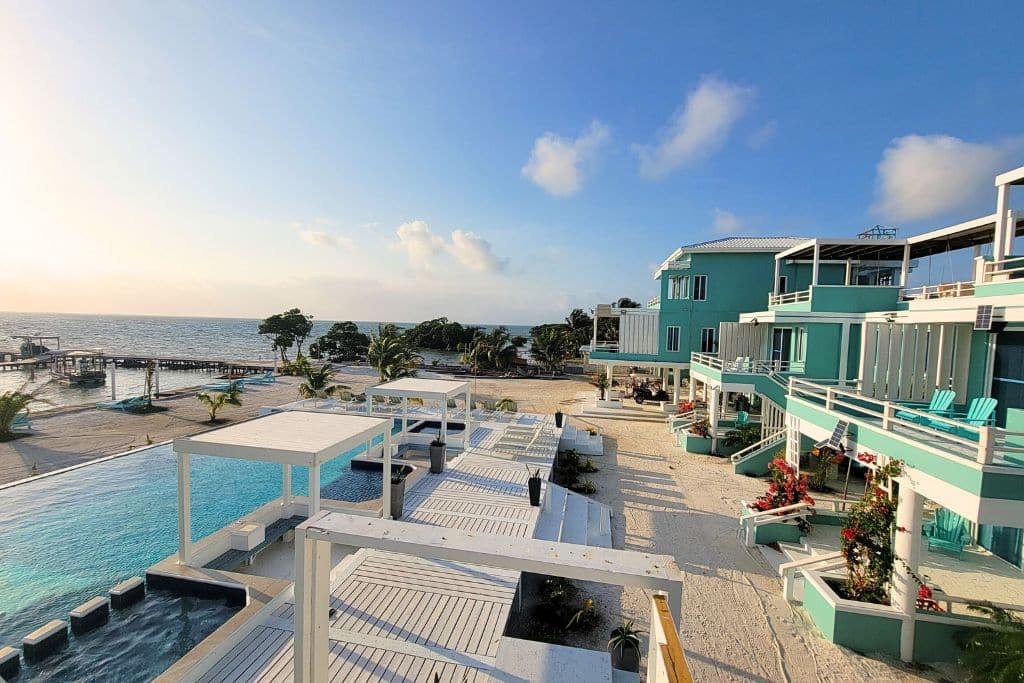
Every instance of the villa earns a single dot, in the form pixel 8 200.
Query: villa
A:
pixel 920 382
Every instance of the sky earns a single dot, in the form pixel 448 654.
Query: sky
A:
pixel 490 162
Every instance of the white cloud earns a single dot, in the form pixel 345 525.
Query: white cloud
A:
pixel 557 164
pixel 324 239
pixel 475 253
pixel 419 244
pixel 922 176
pixel 699 128
pixel 726 223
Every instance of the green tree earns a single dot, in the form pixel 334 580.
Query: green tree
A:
pixel 318 383
pixel 496 349
pixel 550 348
pixel 343 342
pixel 600 380
pixel 581 328
pixel 12 403
pixel 217 400
pixel 391 355
pixel 994 654
pixel 285 330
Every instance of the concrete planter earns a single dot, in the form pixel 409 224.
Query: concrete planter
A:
pixel 774 532
pixel 437 458
pixel 533 483
pixel 695 444
pixel 397 499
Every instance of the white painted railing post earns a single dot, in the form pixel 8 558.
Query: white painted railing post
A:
pixel 986 445
pixel 828 399
pixel 888 412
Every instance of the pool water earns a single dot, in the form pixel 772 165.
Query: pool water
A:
pixel 137 644
pixel 67 538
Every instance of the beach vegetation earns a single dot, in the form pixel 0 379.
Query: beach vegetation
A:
pixel 285 330
pixel 12 403
pixel 741 437
pixel 701 428
pixel 494 350
pixel 993 654
pixel 551 348
pixel 787 487
pixel 440 334
pixel 586 487
pixel 343 342
pixel 319 383
pixel 216 400
pixel 560 609
pixel 601 381
pixel 391 355
pixel 866 540
pixel 625 637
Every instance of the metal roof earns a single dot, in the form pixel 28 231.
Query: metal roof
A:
pixel 745 244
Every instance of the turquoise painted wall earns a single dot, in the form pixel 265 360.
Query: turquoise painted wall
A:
pixel 859 632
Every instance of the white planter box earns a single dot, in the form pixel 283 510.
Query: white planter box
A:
pixel 609 403
pixel 247 536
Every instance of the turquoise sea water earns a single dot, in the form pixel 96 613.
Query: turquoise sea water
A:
pixel 69 537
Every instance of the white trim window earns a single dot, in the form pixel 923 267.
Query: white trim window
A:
pixel 700 287
pixel 708 342
pixel 679 287
pixel 672 338
pixel 799 344
pixel 783 284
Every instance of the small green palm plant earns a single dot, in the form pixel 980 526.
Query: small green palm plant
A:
pixel 318 383
pixel 994 654
pixel 600 380
pixel 741 437
pixel 11 403
pixel 625 637
pixel 217 400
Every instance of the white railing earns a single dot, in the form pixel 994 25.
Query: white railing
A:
pixel 654 302
pixel 985 444
pixel 940 291
pixel 832 504
pixel 1006 269
pixel 606 347
pixel 954 604
pixel 741 455
pixel 789 298
pixel 666 661
pixel 821 563
pixel 750 522
pixel 746 365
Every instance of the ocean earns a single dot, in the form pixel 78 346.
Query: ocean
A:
pixel 212 338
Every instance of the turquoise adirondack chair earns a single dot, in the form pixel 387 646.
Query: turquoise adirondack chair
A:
pixel 979 413
pixel 941 404
pixel 742 419
pixel 21 423
pixel 947 532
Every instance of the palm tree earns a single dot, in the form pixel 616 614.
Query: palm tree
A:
pixel 994 654
pixel 390 355
pixel 318 383
pixel 12 403
pixel 218 400
pixel 600 380
pixel 550 349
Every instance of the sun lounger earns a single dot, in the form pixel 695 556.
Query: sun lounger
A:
pixel 21 423
pixel 265 378
pixel 125 404
pixel 940 404
pixel 233 385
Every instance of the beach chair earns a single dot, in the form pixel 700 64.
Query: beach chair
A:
pixel 947 532
pixel 21 423
pixel 235 385
pixel 980 413
pixel 125 404
pixel 742 419
pixel 940 404
pixel 265 378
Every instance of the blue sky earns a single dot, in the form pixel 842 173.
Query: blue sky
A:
pixel 491 162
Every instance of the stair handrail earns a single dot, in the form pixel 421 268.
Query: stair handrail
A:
pixel 739 455
pixel 824 562
pixel 756 518
pixel 666 659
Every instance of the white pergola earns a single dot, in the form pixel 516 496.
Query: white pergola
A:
pixel 429 390
pixel 290 438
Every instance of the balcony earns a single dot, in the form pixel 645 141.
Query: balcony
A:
pixel 768 377
pixel 946 290
pixel 654 302
pixel 837 299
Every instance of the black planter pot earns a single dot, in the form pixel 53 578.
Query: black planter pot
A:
pixel 437 458
pixel 558 419
pixel 397 499
pixel 625 659
pixel 534 484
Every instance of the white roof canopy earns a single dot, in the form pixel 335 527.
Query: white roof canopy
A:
pixel 414 387
pixel 292 437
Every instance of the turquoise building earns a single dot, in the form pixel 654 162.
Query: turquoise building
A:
pixel 846 352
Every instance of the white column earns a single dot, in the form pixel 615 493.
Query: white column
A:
pixel 113 381
pixel 405 414
pixel 1011 230
pixel 849 273
pixel 905 266
pixel 184 511
pixel 314 489
pixel 714 414
pixel 817 259
pixel 467 435
pixel 443 435
pixel 775 284
pixel 677 381
pixel 286 484
pixel 312 588
pixel 907 549
pixel 844 350
pixel 386 472
pixel 1002 206
pixel 693 389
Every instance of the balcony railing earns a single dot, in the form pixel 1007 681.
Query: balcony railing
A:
pixel 654 302
pixel 1007 269
pixel 746 365
pixel 985 444
pixel 940 291
pixel 789 298
pixel 601 347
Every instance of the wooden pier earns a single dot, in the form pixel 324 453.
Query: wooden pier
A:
pixel 230 367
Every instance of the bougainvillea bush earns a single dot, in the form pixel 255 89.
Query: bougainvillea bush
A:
pixel 786 487
pixel 867 539
pixel 701 428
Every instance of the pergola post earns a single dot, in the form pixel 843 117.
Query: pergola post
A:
pixel 816 263
pixel 775 286
pixel 286 484
pixel 693 390
pixel 386 473
pixel 405 414
pixel 677 381
pixel 314 489
pixel 468 431
pixel 713 415
pixel 443 435
pixel 908 551
pixel 905 266
pixel 184 510
pixel 999 242
pixel 312 588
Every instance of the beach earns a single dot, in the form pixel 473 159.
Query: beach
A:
pixel 736 626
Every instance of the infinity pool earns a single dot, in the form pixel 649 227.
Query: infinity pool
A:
pixel 70 537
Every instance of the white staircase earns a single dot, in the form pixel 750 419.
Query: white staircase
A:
pixel 569 517
pixel 580 440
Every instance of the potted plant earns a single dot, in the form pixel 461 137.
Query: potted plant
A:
pixel 398 475
pixel 534 485
pixel 624 646
pixel 437 456
pixel 558 418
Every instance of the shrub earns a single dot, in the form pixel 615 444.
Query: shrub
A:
pixel 701 428
pixel 866 541
pixel 786 487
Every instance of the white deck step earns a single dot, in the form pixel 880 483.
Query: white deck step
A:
pixel 549 522
pixel 526 660
pixel 574 527
pixel 599 524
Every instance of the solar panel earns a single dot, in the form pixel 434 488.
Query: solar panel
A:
pixel 983 320
pixel 835 442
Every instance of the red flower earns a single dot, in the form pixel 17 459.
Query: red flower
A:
pixel 849 534
pixel 901 529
